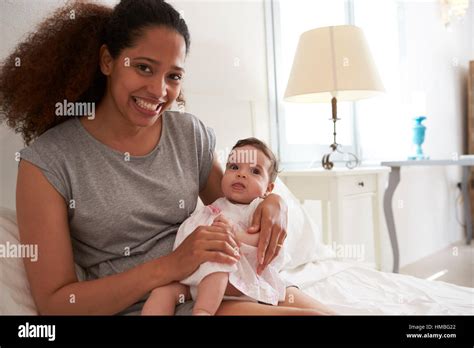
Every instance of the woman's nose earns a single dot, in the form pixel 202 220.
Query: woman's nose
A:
pixel 158 87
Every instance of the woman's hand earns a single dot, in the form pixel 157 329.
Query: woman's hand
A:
pixel 221 221
pixel 270 219
pixel 215 243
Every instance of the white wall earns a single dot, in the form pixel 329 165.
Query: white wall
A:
pixel 17 18
pixel 226 86
pixel 435 61
pixel 226 82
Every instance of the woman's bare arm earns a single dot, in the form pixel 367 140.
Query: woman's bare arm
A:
pixel 42 220
pixel 213 190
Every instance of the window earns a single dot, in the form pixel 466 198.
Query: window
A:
pixel 304 131
pixel 377 115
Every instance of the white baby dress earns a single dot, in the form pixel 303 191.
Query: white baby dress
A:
pixel 268 287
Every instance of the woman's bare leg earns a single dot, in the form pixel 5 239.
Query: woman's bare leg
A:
pixel 210 293
pixel 252 308
pixel 299 304
pixel 297 298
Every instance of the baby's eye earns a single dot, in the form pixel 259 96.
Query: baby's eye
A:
pixel 255 171
pixel 233 166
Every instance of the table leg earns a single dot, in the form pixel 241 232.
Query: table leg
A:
pixel 393 180
pixel 467 203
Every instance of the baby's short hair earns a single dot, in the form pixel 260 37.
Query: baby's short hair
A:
pixel 260 145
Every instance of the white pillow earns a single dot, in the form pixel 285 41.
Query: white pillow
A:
pixel 302 243
pixel 16 296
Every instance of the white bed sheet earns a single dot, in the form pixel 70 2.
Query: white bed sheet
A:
pixel 353 289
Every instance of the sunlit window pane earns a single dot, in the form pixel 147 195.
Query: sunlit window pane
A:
pixel 307 124
pixel 312 123
pixel 384 128
pixel 305 130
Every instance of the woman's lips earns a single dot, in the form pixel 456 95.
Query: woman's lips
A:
pixel 147 111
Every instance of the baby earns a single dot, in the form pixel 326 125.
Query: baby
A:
pixel 249 177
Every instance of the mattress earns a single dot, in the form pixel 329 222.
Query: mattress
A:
pixel 353 289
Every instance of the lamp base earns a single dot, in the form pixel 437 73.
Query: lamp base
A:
pixel 350 159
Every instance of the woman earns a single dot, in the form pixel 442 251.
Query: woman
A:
pixel 108 190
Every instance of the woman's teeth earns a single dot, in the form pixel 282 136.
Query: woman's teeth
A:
pixel 145 105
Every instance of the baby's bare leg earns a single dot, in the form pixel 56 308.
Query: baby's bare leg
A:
pixel 163 300
pixel 210 293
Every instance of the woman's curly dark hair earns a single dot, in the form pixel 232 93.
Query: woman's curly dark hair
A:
pixel 60 60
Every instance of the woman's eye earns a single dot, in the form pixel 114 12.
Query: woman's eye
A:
pixel 144 68
pixel 176 77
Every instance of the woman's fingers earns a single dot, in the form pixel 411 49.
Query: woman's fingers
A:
pixel 273 245
pixel 271 248
pixel 281 236
pixel 221 218
pixel 221 246
pixel 229 229
pixel 217 256
pixel 220 234
pixel 264 239
pixel 281 240
pixel 223 225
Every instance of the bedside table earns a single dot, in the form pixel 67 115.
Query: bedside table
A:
pixel 351 204
pixel 394 179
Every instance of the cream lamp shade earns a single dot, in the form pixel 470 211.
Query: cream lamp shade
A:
pixel 332 62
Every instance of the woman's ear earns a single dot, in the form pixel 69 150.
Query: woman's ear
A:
pixel 105 60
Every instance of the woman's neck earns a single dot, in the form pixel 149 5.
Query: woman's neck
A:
pixel 112 129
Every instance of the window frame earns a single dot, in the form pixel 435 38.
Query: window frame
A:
pixel 276 106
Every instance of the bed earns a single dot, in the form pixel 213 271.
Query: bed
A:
pixel 344 286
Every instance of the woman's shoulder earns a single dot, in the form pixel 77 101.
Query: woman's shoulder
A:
pixel 57 138
pixel 182 117
pixel 187 124
pixel 51 152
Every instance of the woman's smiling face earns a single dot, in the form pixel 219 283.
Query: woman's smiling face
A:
pixel 145 79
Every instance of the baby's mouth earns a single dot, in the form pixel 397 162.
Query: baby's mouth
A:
pixel 238 186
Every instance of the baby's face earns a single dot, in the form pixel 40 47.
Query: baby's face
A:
pixel 246 176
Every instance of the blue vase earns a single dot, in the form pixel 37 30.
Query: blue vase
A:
pixel 419 131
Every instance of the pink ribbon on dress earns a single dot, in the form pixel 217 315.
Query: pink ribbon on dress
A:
pixel 214 209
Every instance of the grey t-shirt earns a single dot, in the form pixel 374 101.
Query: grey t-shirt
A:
pixel 125 210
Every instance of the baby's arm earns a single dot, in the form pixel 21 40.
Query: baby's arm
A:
pixel 163 300
pixel 239 232
pixel 247 238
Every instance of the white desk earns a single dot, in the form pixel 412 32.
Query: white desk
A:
pixel 333 188
pixel 393 181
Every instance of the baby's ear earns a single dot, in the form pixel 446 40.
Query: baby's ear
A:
pixel 270 188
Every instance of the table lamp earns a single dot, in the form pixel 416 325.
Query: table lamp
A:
pixel 333 63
